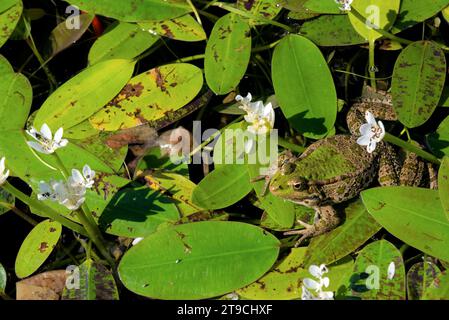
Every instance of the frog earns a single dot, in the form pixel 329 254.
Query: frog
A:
pixel 336 169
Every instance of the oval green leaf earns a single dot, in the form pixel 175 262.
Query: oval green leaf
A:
pixel 9 17
pixel 3 279
pixel 135 10
pixel 418 81
pixel 304 86
pixel 439 289
pixel 184 28
pixel 266 9
pixel 419 277
pixel 413 215
pixel 36 247
pixel 83 95
pixel 198 260
pixel 123 41
pixel 373 268
pixel 227 53
pixel 222 187
pixel 443 185
pixel 150 97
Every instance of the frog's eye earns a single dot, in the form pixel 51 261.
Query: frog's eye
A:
pixel 299 185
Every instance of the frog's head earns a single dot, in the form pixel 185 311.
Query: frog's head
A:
pixel 289 184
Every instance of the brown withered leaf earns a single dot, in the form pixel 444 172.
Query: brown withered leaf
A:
pixel 44 286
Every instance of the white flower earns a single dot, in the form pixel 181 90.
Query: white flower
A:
pixel 345 5
pixel 86 179
pixel 391 270
pixel 3 174
pixel 316 285
pixel 372 132
pixel 45 142
pixel 136 241
pixel 260 118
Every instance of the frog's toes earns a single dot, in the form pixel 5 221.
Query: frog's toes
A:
pixel 309 231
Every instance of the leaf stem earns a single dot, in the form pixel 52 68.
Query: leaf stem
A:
pixel 372 64
pixel 19 213
pixel 412 148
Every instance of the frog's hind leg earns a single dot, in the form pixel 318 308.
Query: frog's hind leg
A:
pixel 328 220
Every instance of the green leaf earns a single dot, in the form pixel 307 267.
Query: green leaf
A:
pixel 7 201
pixel 36 247
pixel 137 212
pixel 135 10
pixel 379 14
pixel 83 95
pixel 356 229
pixel 3 279
pixel 419 277
pixel 15 98
pixel 150 97
pixel 418 80
pixel 320 6
pixel 198 260
pixel 331 30
pixel 95 283
pixel 63 37
pixel 443 185
pixel 222 187
pixel 372 267
pixel 281 283
pixel 304 86
pixel 439 140
pixel 180 189
pixel 227 53
pixel 184 28
pixel 445 13
pixel 267 9
pixel 123 41
pixel 413 215
pixel 415 11
pixel 9 19
pixel 439 288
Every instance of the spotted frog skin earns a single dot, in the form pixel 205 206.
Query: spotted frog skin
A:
pixel 337 169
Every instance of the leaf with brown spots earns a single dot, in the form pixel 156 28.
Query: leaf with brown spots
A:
pixel 419 277
pixel 227 53
pixel 418 79
pixel 37 247
pixel 156 96
pixel 267 9
pixel 10 13
pixel 184 28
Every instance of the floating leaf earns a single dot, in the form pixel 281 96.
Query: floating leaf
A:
pixel 320 6
pixel 356 229
pixel 371 270
pixel 418 80
pixel 123 41
pixel 378 14
pixel 304 86
pixel 443 184
pixel 64 36
pixel 36 247
pixel 137 212
pixel 9 17
pixel 331 30
pixel 151 97
pixel 222 187
pixel 224 256
pixel 267 9
pixel 419 277
pixel 227 53
pixel 83 95
pixel 95 282
pixel 135 10
pixel 16 93
pixel 445 13
pixel 438 289
pixel 415 11
pixel 184 28
pixel 400 210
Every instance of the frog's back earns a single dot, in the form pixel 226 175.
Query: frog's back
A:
pixel 334 157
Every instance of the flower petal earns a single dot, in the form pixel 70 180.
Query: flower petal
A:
pixel 311 284
pixel 371 146
pixel 38 147
pixel 365 129
pixel 2 165
pixel 370 118
pixel 77 177
pixel 58 135
pixel 46 132
pixel 364 140
pixel 315 271
pixel 391 270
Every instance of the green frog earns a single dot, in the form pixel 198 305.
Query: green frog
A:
pixel 337 168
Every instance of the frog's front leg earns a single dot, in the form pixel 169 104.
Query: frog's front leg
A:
pixel 327 221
